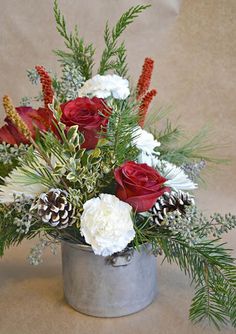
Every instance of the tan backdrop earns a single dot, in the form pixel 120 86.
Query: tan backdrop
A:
pixel 194 46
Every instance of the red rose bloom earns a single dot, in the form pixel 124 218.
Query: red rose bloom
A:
pixel 89 114
pixel 139 185
pixel 40 119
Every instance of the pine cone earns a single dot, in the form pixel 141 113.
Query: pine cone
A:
pixel 175 202
pixel 55 210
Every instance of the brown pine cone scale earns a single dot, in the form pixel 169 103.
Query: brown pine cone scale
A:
pixel 175 202
pixel 55 210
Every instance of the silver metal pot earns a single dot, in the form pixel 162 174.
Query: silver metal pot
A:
pixel 108 286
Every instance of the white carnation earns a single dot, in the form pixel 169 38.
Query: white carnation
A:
pixel 106 224
pixel 147 144
pixel 149 159
pixel 104 86
pixel 176 177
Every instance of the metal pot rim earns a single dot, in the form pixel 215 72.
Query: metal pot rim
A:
pixel 82 247
pixel 87 248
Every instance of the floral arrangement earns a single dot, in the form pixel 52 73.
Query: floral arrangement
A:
pixel 93 166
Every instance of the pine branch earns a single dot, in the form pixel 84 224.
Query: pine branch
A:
pixel 213 271
pixel 34 170
pixel 169 135
pixel 178 150
pixel 120 132
pixel 114 56
pixel 209 265
pixel 153 119
pixel 80 54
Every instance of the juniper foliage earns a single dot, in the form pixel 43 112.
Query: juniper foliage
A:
pixel 114 54
pixel 79 54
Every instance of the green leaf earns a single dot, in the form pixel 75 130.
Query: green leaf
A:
pixel 56 110
pixel 72 132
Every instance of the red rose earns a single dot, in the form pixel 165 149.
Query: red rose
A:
pixel 139 185
pixel 89 114
pixel 40 119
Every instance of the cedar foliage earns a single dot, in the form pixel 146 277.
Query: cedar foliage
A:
pixel 80 54
pixel 114 55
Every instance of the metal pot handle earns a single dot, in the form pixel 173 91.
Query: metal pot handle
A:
pixel 120 259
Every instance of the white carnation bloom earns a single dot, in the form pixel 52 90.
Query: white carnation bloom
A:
pixel 103 86
pixel 149 159
pixel 16 184
pixel 147 144
pixel 145 141
pixel 176 177
pixel 106 224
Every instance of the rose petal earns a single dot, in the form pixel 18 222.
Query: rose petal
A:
pixel 145 202
pixel 91 115
pixel 6 136
pixel 139 185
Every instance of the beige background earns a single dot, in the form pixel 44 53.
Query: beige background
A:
pixel 194 46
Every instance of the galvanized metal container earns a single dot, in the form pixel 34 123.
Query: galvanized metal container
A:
pixel 108 286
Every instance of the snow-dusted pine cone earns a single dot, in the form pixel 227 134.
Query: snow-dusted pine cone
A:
pixel 175 202
pixel 55 210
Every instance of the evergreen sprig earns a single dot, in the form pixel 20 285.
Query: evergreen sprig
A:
pixel 168 135
pixel 214 273
pixel 210 266
pixel 81 55
pixel 120 132
pixel 153 119
pixel 114 55
pixel 194 225
pixel 178 149
pixel 10 232
pixel 9 155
